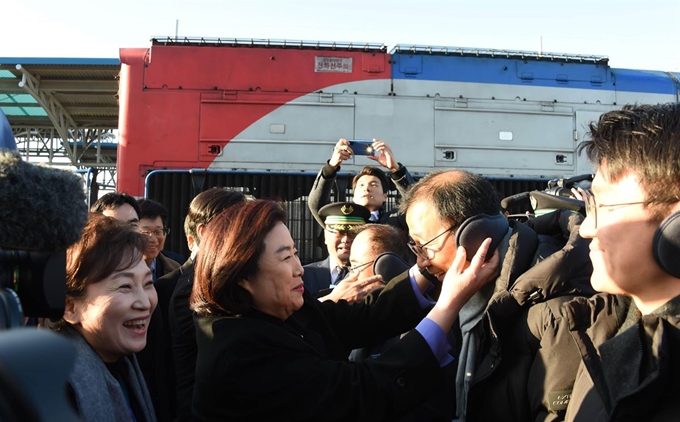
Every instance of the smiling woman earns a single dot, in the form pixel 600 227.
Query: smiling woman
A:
pixel 268 351
pixel 110 298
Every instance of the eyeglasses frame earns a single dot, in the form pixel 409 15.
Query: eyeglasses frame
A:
pixel 419 250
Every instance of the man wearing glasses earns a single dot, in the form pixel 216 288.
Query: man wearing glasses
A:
pixel 629 337
pixel 154 360
pixel 153 224
pixel 515 360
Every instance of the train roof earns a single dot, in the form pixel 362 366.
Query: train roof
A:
pixel 497 53
pixel 269 43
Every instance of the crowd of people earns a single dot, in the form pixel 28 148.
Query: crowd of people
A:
pixel 443 309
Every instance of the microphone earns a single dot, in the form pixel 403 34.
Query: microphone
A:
pixel 515 199
pixel 42 209
pixel 42 212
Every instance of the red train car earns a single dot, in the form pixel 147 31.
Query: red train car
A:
pixel 181 104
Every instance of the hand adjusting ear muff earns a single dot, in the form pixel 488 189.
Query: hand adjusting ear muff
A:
pixel 666 245
pixel 474 230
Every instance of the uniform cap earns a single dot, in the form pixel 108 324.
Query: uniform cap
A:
pixel 344 216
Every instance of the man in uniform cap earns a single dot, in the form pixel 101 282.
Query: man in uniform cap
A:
pixel 339 221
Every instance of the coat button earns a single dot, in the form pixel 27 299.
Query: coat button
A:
pixel 401 382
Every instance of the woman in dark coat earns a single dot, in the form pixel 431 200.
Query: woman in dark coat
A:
pixel 268 351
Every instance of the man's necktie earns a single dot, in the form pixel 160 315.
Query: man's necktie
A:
pixel 342 272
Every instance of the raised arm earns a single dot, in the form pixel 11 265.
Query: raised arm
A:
pixel 323 184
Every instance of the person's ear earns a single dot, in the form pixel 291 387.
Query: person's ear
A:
pixel 71 311
pixel 191 242
pixel 245 283
pixel 200 230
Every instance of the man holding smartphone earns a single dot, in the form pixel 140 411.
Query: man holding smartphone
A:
pixel 370 186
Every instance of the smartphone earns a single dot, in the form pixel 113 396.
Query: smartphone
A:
pixel 362 146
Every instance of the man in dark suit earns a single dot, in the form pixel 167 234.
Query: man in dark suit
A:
pixel 174 290
pixel 338 221
pixel 370 186
pixel 154 359
pixel 153 222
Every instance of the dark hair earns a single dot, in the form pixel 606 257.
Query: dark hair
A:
pixel 152 209
pixel 456 195
pixel 114 200
pixel 232 246
pixel 373 171
pixel 386 238
pixel 207 205
pixel 106 245
pixel 643 140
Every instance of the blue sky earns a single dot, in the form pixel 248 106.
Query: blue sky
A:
pixel 634 34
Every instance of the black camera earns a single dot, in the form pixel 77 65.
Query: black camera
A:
pixel 36 281
pixel 557 195
pixel 563 187
pixel 42 213
pixel 34 363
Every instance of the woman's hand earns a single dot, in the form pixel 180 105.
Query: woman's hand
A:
pixel 461 282
pixel 353 290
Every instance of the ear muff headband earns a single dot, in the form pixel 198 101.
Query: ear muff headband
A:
pixel 474 230
pixel 666 245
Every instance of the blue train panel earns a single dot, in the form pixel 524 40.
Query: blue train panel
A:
pixel 498 67
pixel 649 81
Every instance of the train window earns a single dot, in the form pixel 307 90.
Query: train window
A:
pixel 505 136
pixel 277 128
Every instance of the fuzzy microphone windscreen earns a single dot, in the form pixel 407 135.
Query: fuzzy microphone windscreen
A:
pixel 41 208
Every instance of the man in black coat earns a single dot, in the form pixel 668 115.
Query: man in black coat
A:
pixel 516 356
pixel 173 297
pixel 155 359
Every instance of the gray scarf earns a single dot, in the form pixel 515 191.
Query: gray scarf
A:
pixel 471 315
pixel 98 394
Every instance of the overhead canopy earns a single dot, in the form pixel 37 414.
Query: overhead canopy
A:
pixel 62 110
pixel 54 92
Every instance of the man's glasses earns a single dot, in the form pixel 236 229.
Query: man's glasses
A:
pixel 420 250
pixel 592 205
pixel 360 267
pixel 157 232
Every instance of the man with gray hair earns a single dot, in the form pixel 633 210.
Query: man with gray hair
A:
pixel 516 358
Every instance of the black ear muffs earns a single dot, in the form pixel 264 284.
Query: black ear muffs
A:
pixel 389 265
pixel 666 245
pixel 474 230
